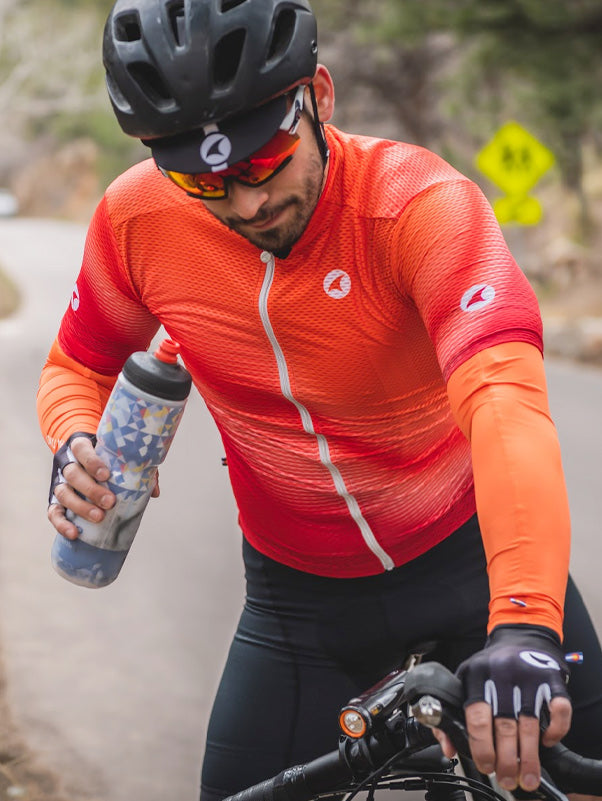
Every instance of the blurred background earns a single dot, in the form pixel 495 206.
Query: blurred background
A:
pixel 105 697
pixel 446 74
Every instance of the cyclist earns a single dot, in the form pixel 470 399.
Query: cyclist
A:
pixel 371 354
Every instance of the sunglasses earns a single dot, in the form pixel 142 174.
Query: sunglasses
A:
pixel 256 169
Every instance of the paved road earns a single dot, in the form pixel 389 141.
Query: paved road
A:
pixel 112 687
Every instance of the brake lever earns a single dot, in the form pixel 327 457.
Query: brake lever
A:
pixel 436 700
pixel 429 711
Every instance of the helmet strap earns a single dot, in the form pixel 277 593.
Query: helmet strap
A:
pixel 319 127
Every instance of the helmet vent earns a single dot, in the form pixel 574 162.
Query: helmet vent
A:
pixel 282 35
pixel 227 57
pixel 228 5
pixel 177 20
pixel 116 95
pixel 127 27
pixel 150 84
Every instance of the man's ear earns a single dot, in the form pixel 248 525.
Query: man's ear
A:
pixel 324 89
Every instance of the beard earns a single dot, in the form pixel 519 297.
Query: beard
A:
pixel 301 204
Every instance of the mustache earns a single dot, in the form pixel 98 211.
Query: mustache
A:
pixel 264 213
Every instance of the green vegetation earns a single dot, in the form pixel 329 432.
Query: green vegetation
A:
pixel 449 73
pixel 52 83
pixel 116 152
pixel 466 67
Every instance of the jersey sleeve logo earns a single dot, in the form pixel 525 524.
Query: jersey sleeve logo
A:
pixel 75 298
pixel 337 284
pixel 476 297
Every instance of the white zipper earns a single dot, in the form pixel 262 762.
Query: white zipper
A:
pixel 308 426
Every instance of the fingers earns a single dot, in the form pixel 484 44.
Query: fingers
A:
pixel 506 752
pixel 480 736
pixel 56 515
pixel 446 744
pixel 80 491
pixel 77 483
pixel 83 450
pixel 530 771
pixel 560 720
pixel 510 748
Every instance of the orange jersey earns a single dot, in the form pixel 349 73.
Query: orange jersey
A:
pixel 325 372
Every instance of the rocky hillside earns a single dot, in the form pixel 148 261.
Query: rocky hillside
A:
pixel 59 146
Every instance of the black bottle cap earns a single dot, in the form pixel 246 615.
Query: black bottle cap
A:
pixel 159 373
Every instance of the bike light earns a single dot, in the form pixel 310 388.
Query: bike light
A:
pixel 352 723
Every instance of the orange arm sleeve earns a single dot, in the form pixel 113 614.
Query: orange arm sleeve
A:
pixel 71 397
pixel 499 400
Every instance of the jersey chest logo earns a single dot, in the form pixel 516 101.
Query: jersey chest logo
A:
pixel 337 284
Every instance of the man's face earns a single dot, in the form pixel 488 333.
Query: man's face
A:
pixel 274 215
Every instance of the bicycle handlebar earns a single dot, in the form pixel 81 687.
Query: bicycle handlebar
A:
pixel 570 771
pixel 407 741
pixel 342 770
pixel 325 774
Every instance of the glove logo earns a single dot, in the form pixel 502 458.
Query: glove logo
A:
pixel 538 660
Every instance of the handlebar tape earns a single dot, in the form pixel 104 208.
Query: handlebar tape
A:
pixel 265 791
pixel 571 772
pixel 301 783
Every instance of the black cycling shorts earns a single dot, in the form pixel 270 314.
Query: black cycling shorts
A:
pixel 306 644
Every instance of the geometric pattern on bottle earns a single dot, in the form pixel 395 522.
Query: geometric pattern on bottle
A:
pixel 137 435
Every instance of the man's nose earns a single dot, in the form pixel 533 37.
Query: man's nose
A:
pixel 245 201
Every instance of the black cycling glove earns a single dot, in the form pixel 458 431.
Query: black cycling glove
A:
pixel 62 458
pixel 518 672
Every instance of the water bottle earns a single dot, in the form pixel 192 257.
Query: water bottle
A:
pixel 134 434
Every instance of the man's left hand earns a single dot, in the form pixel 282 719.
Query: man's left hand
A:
pixel 520 672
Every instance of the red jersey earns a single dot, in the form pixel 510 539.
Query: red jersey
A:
pixel 326 371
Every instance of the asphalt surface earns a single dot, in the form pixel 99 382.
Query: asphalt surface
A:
pixel 112 687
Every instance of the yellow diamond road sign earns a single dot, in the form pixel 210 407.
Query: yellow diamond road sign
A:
pixel 514 159
pixel 521 209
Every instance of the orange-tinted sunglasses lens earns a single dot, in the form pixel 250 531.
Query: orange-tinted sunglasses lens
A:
pixel 265 162
pixel 253 171
pixel 205 184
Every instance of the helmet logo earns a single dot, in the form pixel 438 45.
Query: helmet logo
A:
pixel 215 151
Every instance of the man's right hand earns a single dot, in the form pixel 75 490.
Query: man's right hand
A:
pixel 76 473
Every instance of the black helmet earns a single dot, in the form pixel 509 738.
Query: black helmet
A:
pixel 173 66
